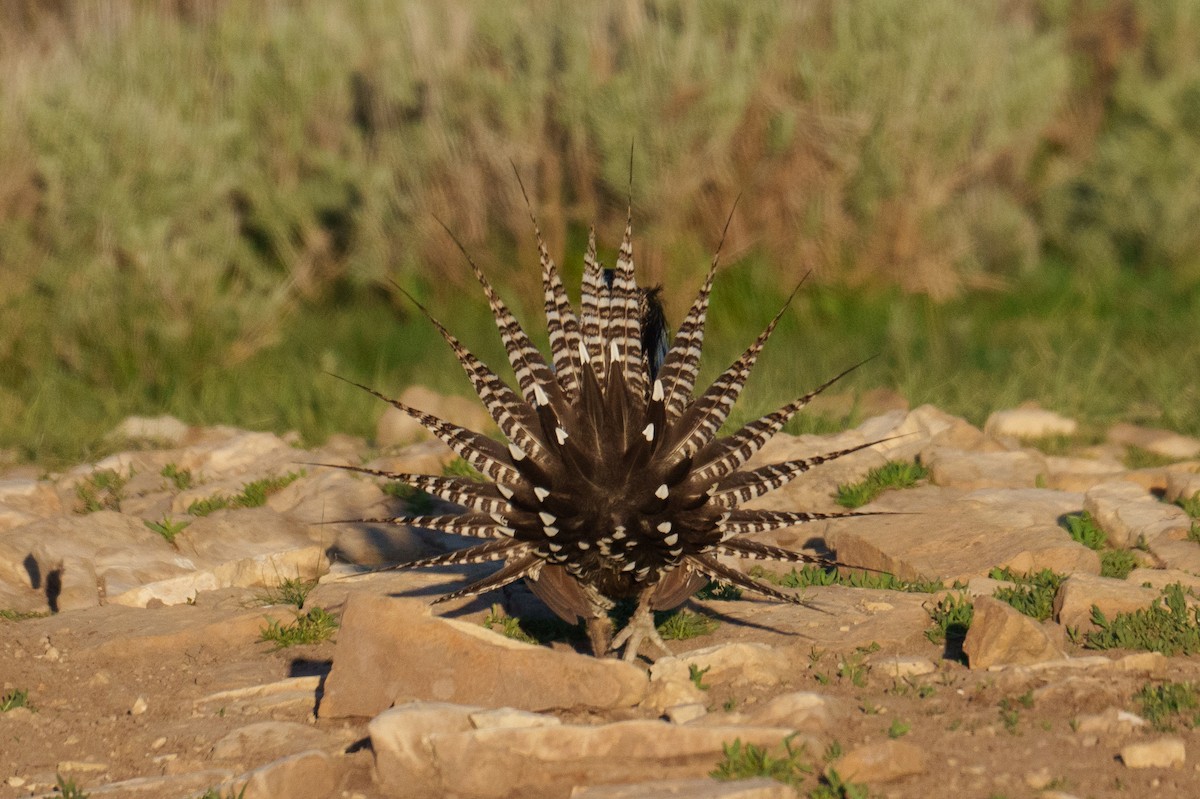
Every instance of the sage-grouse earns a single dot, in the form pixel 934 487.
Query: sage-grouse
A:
pixel 614 483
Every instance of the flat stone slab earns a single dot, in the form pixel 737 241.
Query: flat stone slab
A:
pixel 391 651
pixel 436 750
pixel 940 534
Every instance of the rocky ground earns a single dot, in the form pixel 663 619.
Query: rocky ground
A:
pixel 132 659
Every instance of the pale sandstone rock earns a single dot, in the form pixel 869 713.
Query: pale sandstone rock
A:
pixel 260 453
pixel 1167 443
pixel 1112 721
pixel 1180 486
pixel 266 739
pixel 1164 753
pixel 70 556
pixel 880 762
pixel 947 535
pixel 1029 422
pixel 954 468
pixel 757 788
pixel 431 749
pixel 507 717
pixel 682 714
pixel 1080 474
pixel 901 666
pixel 172 631
pixel 1176 555
pixel 737 664
pixel 426 457
pixel 393 651
pixel 33 497
pixel 801 710
pixel 1001 635
pixel 1158 579
pixel 326 494
pixel 296 694
pixel 907 435
pixel 159 429
pixel 1128 514
pixel 396 427
pixel 307 775
pixel 1079 592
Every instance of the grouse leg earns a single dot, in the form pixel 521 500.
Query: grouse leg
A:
pixel 639 629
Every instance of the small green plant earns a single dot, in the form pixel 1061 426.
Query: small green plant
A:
pixel 68 789
pixel 181 478
pixel 1167 626
pixel 17 697
pixel 1138 458
pixel 167 528
pixel 1010 716
pixel 1163 704
pixel 853 668
pixel 1118 563
pixel 253 495
pixel 1190 505
pixel 893 474
pixel 951 619
pixel 696 675
pixel 746 761
pixel 460 468
pixel 418 502
pixel 812 575
pixel 684 624
pixel 101 490
pixel 898 729
pixel 21 615
pixel 1034 593
pixel 499 621
pixel 717 589
pixel 1083 528
pixel 834 787
pixel 288 591
pixel 310 628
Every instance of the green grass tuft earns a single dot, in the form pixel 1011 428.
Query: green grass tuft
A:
pixel 1138 458
pixel 813 575
pixel 310 628
pixel 17 697
pixel 416 502
pixel 1163 704
pixel 166 528
pixel 1190 505
pixel 893 474
pixel 460 468
pixel 1084 529
pixel 1167 626
pixel 1034 593
pixel 289 591
pixel 951 619
pixel 747 761
pixel 1118 563
pixel 8 614
pixel 253 495
pixel 717 589
pixel 683 624
pixel 499 621
pixel 67 788
pixel 180 478
pixel 101 490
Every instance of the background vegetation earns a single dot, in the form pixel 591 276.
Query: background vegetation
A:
pixel 201 201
